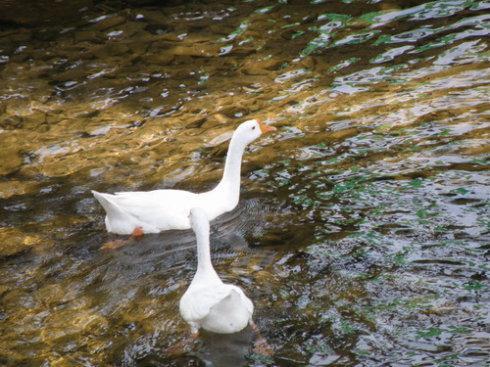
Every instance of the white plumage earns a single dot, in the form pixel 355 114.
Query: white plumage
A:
pixel 209 303
pixel 161 210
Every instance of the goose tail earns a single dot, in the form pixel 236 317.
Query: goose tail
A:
pixel 111 208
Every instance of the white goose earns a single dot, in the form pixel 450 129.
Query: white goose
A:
pixel 141 212
pixel 209 303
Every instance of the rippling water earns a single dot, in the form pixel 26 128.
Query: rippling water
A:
pixel 363 230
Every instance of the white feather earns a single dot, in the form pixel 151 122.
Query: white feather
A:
pixel 209 303
pixel 161 210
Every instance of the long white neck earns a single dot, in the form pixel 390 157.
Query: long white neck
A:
pixel 204 266
pixel 230 183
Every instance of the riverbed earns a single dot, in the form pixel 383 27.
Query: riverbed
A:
pixel 363 229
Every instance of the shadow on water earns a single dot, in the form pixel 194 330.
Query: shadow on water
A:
pixel 363 227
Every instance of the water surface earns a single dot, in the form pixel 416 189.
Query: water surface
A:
pixel 363 230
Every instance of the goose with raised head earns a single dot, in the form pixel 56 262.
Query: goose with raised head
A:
pixel 209 303
pixel 141 212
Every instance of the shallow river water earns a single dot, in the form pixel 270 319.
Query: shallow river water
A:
pixel 363 229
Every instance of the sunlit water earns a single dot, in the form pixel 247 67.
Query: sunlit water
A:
pixel 363 230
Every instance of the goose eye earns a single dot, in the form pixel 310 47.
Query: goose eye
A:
pixel 253 128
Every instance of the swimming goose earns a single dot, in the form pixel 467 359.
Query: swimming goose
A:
pixel 141 212
pixel 209 303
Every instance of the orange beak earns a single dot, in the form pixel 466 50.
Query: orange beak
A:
pixel 266 128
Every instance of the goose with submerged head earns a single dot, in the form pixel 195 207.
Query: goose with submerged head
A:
pixel 141 212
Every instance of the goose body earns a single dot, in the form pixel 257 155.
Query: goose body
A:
pixel 161 210
pixel 209 303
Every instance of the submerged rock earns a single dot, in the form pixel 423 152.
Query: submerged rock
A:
pixel 14 242
pixel 16 187
pixel 10 158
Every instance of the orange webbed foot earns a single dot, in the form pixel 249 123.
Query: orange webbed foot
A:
pixel 138 232
pixel 261 347
pixel 183 346
pixel 113 245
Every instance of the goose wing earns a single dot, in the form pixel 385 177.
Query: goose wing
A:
pixel 244 299
pixel 196 305
pixel 111 206
pixel 158 209
pixel 143 204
